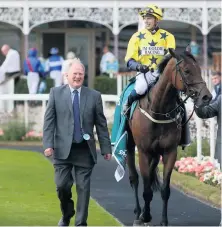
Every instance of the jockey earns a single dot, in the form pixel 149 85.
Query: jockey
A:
pixel 53 66
pixel 145 51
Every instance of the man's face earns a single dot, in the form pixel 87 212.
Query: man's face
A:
pixel 4 50
pixel 216 80
pixel 75 75
pixel 150 21
pixel 105 50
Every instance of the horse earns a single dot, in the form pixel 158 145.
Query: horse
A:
pixel 155 128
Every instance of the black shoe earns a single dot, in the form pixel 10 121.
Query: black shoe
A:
pixel 64 221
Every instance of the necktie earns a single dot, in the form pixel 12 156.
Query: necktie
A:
pixel 77 135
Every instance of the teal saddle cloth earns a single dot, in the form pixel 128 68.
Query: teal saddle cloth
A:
pixel 119 133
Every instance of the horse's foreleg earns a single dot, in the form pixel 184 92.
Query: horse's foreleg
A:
pixel 169 159
pixel 148 166
pixel 133 175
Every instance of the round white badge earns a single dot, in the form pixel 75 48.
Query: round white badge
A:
pixel 86 136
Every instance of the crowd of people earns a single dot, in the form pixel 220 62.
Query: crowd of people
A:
pixel 37 68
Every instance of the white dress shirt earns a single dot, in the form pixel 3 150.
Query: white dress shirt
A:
pixel 11 63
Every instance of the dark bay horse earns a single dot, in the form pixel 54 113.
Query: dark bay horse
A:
pixel 154 129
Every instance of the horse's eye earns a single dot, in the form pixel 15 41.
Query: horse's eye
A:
pixel 187 71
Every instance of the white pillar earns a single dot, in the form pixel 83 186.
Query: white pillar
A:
pixel 7 88
pixel 119 84
pixel 212 139
pixel 205 32
pixel 116 37
pixel 199 137
pixel 26 23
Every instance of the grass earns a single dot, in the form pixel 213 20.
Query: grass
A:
pixel 194 187
pixel 28 195
pixel 20 143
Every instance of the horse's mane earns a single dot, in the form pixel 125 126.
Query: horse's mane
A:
pixel 166 59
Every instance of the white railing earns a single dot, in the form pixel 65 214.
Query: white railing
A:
pixel 44 98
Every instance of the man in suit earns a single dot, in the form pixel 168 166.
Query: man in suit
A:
pixel 72 111
pixel 209 111
pixel 216 80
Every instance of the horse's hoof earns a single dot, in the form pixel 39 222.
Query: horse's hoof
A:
pixel 138 223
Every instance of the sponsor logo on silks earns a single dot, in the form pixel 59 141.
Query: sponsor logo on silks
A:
pixel 152 50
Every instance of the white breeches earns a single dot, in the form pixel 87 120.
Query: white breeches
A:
pixel 141 84
pixel 33 82
pixel 57 77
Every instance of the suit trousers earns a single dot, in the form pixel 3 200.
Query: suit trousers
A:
pixel 81 161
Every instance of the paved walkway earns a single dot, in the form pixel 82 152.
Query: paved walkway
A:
pixel 117 198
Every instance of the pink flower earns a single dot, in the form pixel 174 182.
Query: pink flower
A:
pixel 202 179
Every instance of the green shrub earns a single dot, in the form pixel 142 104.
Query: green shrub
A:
pixel 105 85
pixel 14 130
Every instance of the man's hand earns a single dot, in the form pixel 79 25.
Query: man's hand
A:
pixel 48 152
pixel 108 157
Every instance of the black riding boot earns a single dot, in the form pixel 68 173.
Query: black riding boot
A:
pixel 185 133
pixel 132 97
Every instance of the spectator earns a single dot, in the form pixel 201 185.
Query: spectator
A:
pixel 107 57
pixel 213 110
pixel 33 69
pixel 66 65
pixel 53 66
pixel 216 80
pixel 11 65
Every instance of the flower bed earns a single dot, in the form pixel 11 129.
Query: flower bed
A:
pixel 32 136
pixel 204 169
pixel 29 136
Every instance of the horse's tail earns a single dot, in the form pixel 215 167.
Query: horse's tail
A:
pixel 155 183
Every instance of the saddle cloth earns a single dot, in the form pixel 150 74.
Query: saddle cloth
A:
pixel 119 133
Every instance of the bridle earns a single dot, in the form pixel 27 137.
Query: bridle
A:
pixel 188 92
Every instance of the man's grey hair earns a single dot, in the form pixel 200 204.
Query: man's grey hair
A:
pixel 76 61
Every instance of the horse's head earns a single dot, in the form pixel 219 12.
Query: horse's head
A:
pixel 187 78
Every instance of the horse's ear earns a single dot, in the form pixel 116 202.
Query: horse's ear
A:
pixel 188 48
pixel 172 53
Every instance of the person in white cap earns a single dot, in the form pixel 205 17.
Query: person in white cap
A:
pixel 66 64
pixel 53 66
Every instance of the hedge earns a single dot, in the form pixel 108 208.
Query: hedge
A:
pixel 103 84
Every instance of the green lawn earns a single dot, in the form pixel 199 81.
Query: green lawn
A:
pixel 28 195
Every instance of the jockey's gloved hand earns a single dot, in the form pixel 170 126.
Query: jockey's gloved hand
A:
pixel 143 68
